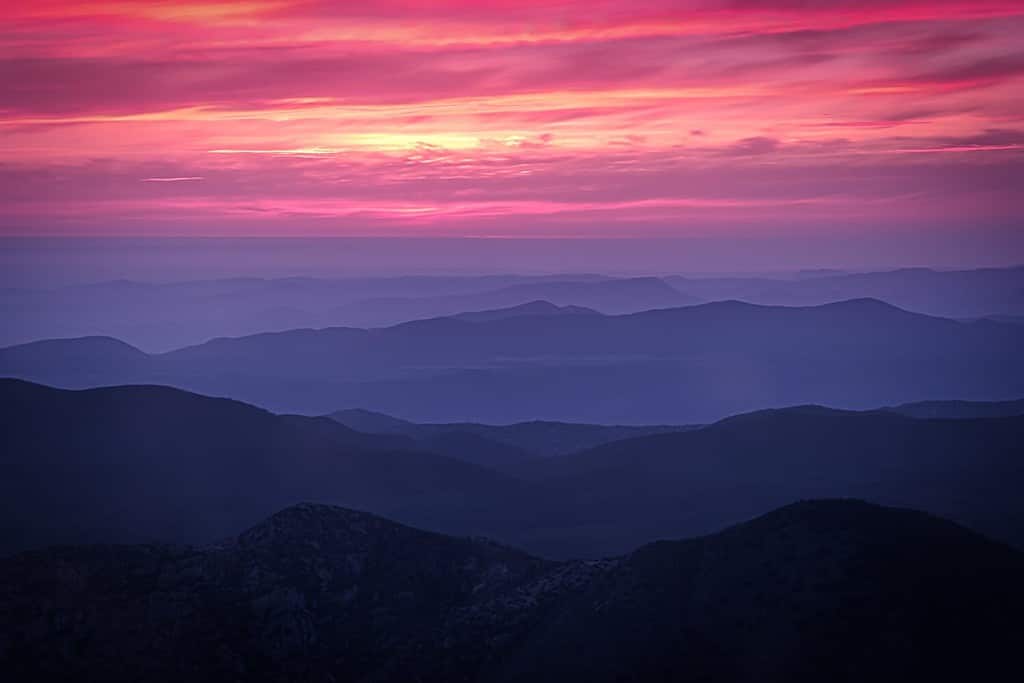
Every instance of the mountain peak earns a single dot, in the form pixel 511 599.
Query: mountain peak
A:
pixel 92 344
pixel 796 592
pixel 537 307
pixel 316 522
pixel 805 410
pixel 864 304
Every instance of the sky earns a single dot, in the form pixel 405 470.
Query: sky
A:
pixel 727 120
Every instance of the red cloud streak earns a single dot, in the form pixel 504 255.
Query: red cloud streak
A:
pixel 532 118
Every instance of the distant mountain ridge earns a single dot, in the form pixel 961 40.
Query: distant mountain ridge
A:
pixel 159 317
pixel 947 293
pixel 668 366
pixel 163 316
pixel 609 296
pixel 149 463
pixel 322 593
pixel 537 307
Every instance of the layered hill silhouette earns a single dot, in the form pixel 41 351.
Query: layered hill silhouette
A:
pixel 538 438
pixel 947 293
pixel 821 590
pixel 162 316
pixel 964 469
pixel 531 308
pixel 610 296
pixel 159 317
pixel 153 464
pixel 146 463
pixel 673 366
pixel 521 441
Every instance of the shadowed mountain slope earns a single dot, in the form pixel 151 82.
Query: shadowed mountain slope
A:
pixel 143 463
pixel 960 409
pixel 826 590
pixel 967 470
pixel 822 590
pixel 127 464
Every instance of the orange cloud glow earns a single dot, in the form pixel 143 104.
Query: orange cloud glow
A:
pixel 504 118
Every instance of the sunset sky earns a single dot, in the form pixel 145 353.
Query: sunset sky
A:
pixel 510 118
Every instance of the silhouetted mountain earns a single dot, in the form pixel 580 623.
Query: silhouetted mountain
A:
pixel 829 590
pixel 127 464
pixel 607 296
pixel 536 439
pixel 951 294
pixel 610 296
pixel 144 463
pixel 825 590
pixel 163 316
pixel 960 409
pixel 531 308
pixel 671 366
pixel 502 447
pixel 970 470
pixel 92 356
pixel 160 317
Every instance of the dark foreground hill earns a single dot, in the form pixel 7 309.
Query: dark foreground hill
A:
pixel 140 464
pixel 145 463
pixel 829 590
pixel 672 366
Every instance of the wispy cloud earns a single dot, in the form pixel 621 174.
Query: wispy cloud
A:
pixel 518 115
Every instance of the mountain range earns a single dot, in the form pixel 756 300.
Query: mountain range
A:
pixel 672 366
pixel 507 446
pixel 163 316
pixel 159 317
pixel 519 441
pixel 154 464
pixel 818 590
pixel 975 293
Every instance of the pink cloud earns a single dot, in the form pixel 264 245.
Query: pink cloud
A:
pixel 495 117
